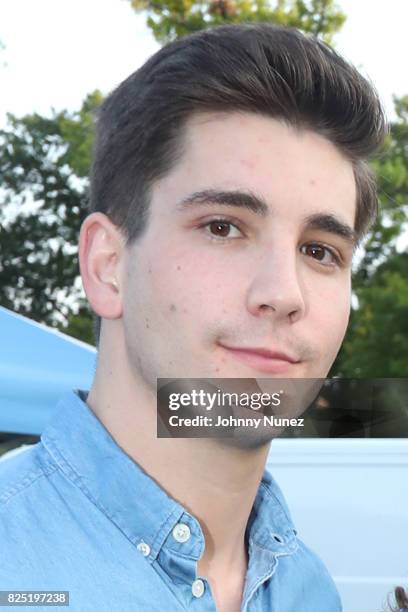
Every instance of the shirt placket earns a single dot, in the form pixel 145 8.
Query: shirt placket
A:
pixel 262 566
pixel 263 563
pixel 178 558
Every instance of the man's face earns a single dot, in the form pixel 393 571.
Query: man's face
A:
pixel 248 246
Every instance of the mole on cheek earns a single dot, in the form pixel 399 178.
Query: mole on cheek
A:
pixel 178 267
pixel 173 307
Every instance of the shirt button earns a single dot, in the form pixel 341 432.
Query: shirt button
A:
pixel 181 532
pixel 143 548
pixel 198 588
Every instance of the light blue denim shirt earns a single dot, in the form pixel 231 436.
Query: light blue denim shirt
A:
pixel 78 515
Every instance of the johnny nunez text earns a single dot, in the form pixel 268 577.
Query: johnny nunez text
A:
pixel 231 421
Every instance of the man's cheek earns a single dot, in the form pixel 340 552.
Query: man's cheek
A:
pixel 330 320
pixel 337 332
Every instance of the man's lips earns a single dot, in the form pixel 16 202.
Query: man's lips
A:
pixel 275 362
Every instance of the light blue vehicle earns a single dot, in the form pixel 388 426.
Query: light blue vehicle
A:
pixel 348 497
pixel 37 365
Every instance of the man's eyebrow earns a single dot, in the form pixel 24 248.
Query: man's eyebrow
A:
pixel 243 199
pixel 327 222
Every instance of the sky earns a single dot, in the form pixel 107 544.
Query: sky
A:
pixel 57 51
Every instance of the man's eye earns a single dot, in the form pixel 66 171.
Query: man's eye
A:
pixel 220 228
pixel 321 253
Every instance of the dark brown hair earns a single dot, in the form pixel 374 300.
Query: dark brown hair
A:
pixel 259 68
pixel 401 599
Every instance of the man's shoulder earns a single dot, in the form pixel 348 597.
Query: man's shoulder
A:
pixel 23 479
pixel 20 471
pixel 53 537
pixel 309 559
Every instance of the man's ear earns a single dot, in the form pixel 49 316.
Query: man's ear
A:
pixel 101 251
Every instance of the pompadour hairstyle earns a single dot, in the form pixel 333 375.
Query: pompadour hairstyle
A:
pixel 259 68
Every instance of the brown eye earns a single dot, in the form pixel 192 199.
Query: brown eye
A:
pixel 320 253
pixel 315 251
pixel 220 228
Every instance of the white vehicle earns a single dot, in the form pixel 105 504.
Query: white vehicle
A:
pixel 349 501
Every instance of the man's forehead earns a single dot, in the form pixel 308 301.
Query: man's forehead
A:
pixel 256 140
pixel 259 162
pixel 213 123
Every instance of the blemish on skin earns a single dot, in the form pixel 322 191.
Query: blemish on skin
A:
pixel 173 307
pixel 312 182
pixel 149 270
pixel 217 369
pixel 248 163
pixel 178 267
pixel 185 310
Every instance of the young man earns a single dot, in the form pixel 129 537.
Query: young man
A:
pixel 229 189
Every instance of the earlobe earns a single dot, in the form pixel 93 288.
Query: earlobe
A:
pixel 100 259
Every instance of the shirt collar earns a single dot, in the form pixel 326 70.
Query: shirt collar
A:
pixel 88 455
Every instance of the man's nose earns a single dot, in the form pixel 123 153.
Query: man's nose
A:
pixel 276 288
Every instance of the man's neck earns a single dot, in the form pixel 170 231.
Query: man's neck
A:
pixel 215 482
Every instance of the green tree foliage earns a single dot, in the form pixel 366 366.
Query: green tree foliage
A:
pixel 170 19
pixel 391 170
pixel 376 344
pixel 44 164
